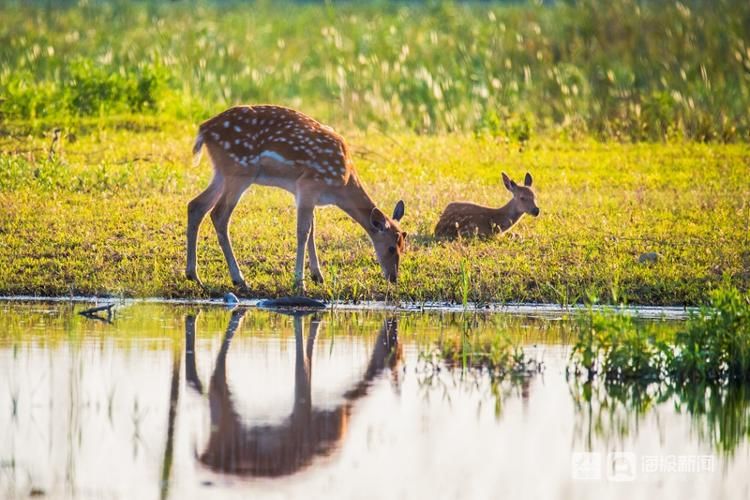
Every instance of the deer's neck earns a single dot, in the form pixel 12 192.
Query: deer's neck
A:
pixel 355 201
pixel 507 215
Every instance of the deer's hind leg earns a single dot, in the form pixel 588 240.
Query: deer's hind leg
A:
pixel 234 188
pixel 197 210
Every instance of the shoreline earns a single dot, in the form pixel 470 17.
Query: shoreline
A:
pixel 539 310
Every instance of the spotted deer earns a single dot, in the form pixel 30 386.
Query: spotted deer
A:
pixel 468 219
pixel 279 147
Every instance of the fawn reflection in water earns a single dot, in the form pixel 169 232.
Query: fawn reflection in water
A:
pixel 235 447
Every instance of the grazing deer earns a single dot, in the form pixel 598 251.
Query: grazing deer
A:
pixel 467 219
pixel 279 147
pixel 271 450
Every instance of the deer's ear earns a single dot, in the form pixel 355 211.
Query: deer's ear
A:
pixel 527 180
pixel 377 220
pixel 398 212
pixel 509 184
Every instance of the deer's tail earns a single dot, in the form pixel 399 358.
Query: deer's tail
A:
pixel 198 148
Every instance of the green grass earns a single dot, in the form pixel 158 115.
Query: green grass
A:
pixel 435 101
pixel 712 347
pixel 107 214
pixel 620 366
pixel 635 70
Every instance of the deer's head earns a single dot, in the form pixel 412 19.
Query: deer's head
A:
pixel 388 239
pixel 523 196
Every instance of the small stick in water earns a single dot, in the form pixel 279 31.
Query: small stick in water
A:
pixel 91 312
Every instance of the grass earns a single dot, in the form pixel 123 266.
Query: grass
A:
pixel 105 213
pixel 100 103
pixel 636 70
pixel 621 368
pixel 712 347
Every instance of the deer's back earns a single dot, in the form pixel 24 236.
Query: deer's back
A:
pixel 465 219
pixel 248 135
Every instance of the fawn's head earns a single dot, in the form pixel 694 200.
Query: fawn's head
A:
pixel 523 196
pixel 388 239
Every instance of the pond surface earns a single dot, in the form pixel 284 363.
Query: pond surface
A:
pixel 202 402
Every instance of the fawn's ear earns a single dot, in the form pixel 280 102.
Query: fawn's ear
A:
pixel 509 184
pixel 527 180
pixel 398 211
pixel 377 220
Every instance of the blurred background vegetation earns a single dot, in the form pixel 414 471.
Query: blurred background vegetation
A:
pixel 623 69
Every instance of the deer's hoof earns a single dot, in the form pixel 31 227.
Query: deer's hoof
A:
pixel 240 285
pixel 193 276
pixel 317 277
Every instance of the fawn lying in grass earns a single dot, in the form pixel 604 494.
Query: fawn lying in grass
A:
pixel 468 219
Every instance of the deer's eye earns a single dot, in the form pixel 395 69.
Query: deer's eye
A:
pixel 392 250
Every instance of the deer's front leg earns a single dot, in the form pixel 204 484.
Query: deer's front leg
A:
pixel 304 223
pixel 312 254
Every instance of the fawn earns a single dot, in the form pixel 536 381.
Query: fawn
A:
pixel 468 219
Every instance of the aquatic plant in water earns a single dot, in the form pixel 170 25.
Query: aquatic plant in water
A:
pixel 620 369
pixel 712 347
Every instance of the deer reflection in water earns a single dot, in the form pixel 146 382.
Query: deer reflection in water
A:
pixel 308 432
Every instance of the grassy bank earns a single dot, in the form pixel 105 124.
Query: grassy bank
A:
pixel 105 213
pixel 632 119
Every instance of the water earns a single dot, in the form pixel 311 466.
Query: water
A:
pixel 197 401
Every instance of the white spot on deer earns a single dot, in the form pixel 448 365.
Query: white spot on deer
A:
pixel 226 124
pixel 274 156
pixel 215 136
pixel 237 129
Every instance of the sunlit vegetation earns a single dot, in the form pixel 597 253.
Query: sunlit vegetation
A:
pixel 105 213
pixel 100 103
pixel 621 368
pixel 633 70
pixel 713 346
